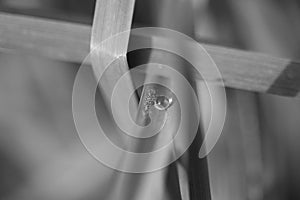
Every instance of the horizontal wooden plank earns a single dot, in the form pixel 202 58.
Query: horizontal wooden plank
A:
pixel 54 39
pixel 70 42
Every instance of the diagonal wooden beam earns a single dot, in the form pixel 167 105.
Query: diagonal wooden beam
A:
pixel 111 17
pixel 70 42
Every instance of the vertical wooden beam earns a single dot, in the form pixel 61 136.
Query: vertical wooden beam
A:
pixel 111 18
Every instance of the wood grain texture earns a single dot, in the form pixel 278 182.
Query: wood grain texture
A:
pixel 111 17
pixel 70 42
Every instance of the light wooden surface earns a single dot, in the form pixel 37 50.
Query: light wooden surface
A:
pixel 111 17
pixel 70 42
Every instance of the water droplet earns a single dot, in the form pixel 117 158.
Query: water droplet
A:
pixel 163 102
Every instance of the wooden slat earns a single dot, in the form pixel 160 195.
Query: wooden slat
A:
pixel 70 42
pixel 111 17
pixel 54 39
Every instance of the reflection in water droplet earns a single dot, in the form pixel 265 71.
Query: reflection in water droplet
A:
pixel 163 102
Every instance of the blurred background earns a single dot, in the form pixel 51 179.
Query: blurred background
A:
pixel 41 156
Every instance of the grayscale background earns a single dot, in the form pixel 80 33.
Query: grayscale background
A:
pixel 42 158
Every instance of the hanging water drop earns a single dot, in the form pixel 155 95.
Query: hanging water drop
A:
pixel 163 102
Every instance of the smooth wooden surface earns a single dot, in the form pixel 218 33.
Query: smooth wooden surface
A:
pixel 70 42
pixel 111 17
